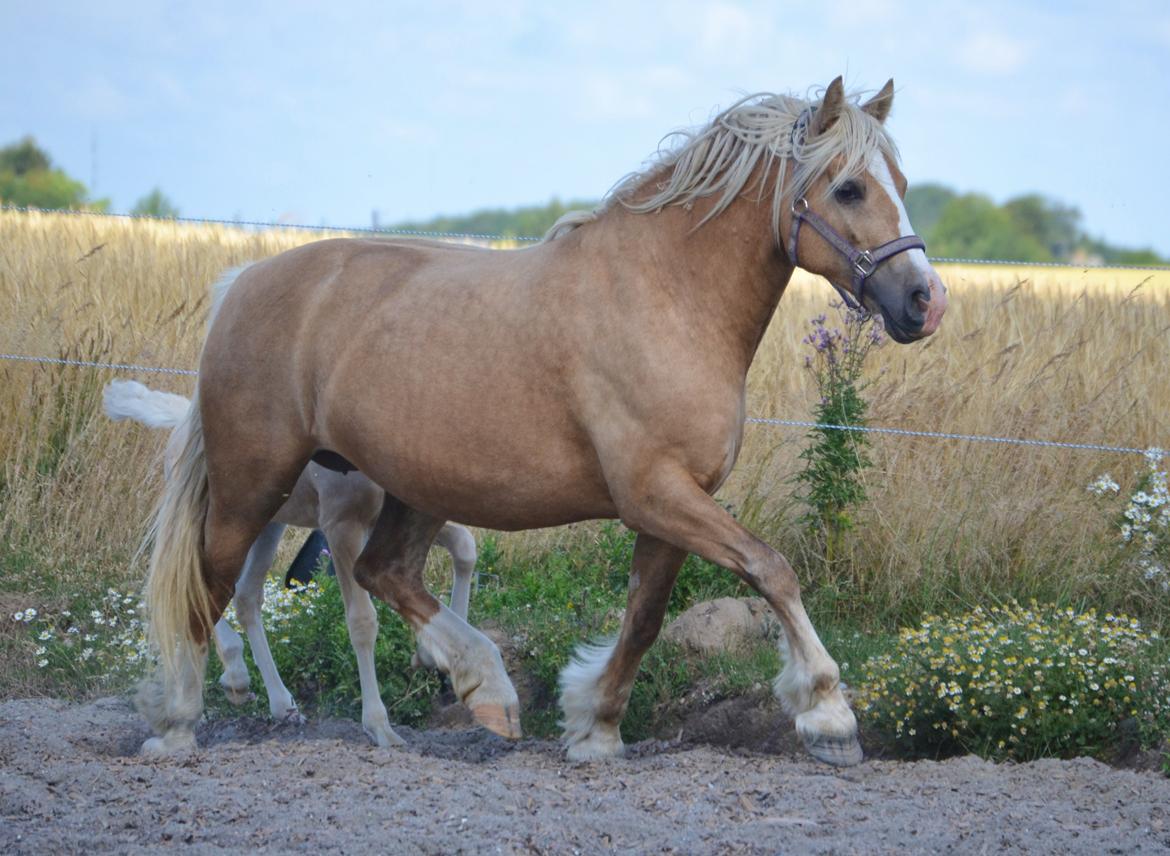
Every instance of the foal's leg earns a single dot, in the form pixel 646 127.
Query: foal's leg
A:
pixel 595 686
pixel 229 645
pixel 684 515
pixel 461 545
pixel 249 606
pixel 345 543
pixel 391 567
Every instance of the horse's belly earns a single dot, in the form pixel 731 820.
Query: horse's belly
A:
pixel 498 479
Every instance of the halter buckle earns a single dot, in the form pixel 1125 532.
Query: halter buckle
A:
pixel 864 264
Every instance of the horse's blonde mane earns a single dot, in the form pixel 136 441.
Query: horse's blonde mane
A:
pixel 720 158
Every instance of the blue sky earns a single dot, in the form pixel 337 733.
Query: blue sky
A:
pixel 321 113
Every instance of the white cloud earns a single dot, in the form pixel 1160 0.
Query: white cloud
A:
pixel 992 53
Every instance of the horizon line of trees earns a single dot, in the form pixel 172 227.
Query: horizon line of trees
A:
pixel 1030 227
pixel 1026 228
pixel 29 179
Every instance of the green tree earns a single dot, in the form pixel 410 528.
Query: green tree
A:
pixel 27 178
pixel 1054 225
pixel 973 227
pixel 155 204
pixel 924 205
pixel 24 157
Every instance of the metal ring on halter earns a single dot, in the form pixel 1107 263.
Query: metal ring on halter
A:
pixel 804 210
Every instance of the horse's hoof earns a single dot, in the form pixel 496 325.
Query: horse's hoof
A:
pixel 833 749
pixel 598 746
pixel 499 719
pixel 170 745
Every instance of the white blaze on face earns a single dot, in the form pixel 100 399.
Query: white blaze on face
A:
pixel 880 170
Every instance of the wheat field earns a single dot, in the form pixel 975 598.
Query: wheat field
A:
pixel 1052 353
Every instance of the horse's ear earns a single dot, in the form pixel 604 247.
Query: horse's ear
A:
pixel 879 106
pixel 830 107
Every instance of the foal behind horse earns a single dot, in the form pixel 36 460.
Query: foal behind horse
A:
pixel 345 507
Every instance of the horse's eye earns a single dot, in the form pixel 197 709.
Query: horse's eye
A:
pixel 849 192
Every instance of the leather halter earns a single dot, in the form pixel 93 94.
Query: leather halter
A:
pixel 862 262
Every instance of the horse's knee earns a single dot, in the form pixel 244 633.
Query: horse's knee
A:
pixel 367 575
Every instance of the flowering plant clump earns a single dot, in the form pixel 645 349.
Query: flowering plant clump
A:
pixel 1019 683
pixel 1144 525
pixel 105 641
pixel 282 607
pixel 310 644
pixel 835 458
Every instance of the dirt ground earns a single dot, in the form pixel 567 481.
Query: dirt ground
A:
pixel 70 782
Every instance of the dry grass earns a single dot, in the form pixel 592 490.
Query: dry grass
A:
pixel 1057 353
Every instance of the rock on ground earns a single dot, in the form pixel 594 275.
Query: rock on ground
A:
pixel 69 781
pixel 723 624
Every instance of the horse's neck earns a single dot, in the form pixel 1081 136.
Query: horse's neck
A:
pixel 727 274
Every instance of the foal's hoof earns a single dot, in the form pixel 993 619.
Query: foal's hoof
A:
pixel 383 736
pixel 292 717
pixel 503 720
pixel 239 697
pixel 832 749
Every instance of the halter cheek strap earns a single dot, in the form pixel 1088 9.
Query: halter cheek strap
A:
pixel 862 262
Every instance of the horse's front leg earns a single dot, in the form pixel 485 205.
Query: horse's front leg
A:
pixel 595 686
pixel 670 505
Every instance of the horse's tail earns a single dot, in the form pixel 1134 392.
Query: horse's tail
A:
pixel 178 602
pixel 128 399
pixel 177 599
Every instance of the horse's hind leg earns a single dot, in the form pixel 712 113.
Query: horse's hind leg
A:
pixel 249 600
pixel 243 496
pixel 595 686
pixel 345 543
pixel 391 567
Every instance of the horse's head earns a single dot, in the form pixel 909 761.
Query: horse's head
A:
pixel 848 223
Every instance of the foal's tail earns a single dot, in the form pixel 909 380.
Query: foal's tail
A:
pixel 128 399
pixel 177 598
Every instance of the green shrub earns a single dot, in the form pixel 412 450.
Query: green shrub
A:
pixel 835 459
pixel 1019 683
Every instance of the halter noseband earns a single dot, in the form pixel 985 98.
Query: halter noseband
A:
pixel 863 262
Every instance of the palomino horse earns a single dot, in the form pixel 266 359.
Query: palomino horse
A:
pixel 598 374
pixel 345 507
